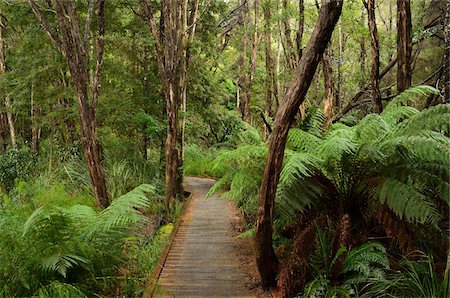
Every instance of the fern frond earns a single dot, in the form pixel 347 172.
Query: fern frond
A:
pixel 435 118
pixel 397 114
pixel 371 127
pixel 302 140
pixel 411 96
pixel 123 210
pixel 295 191
pixel 340 139
pixel 62 263
pixel 407 202
pixel 313 122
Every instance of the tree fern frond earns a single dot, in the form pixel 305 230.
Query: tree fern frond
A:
pixel 407 202
pixel 296 190
pixel 435 118
pixel 338 142
pixel 370 128
pixel 397 114
pixel 411 96
pixel 416 148
pixel 302 140
pixel 123 210
pixel 313 122
pixel 62 263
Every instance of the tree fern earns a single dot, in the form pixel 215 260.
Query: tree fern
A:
pixel 411 96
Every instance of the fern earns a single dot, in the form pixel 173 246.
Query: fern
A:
pixel 411 96
pixel 404 150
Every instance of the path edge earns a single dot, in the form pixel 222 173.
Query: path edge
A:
pixel 153 280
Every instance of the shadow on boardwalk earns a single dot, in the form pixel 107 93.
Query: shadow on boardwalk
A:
pixel 206 259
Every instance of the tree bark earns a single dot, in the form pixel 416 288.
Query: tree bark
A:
pixel 171 48
pixel 10 117
pixel 375 50
pixel 35 129
pixel 328 108
pixel 289 52
pixel 270 82
pixel 265 255
pixel 447 53
pixel 8 105
pixel 404 45
pixel 301 27
pixel 70 42
pixel 247 93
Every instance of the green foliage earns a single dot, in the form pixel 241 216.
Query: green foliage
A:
pixel 396 157
pixel 14 164
pixel 56 247
pixel 242 168
pixel 416 277
pixel 200 162
pixel 360 267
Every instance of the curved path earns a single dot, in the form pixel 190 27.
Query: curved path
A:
pixel 206 258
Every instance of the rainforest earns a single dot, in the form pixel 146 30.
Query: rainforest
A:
pixel 224 148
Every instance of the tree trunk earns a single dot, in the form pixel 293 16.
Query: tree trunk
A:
pixel 447 54
pixel 9 116
pixel 404 45
pixel 301 27
pixel 375 49
pixel 338 95
pixel 251 72
pixel 289 52
pixel 270 82
pixel 73 45
pixel 299 42
pixel 265 255
pixel 3 69
pixel 35 130
pixel 328 108
pixel 171 145
pixel 3 132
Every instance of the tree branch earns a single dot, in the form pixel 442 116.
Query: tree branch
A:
pixel 45 25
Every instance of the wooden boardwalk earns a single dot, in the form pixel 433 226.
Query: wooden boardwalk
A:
pixel 203 260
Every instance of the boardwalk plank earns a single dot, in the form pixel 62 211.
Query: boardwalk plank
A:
pixel 203 258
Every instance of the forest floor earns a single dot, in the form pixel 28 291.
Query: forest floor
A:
pixel 206 257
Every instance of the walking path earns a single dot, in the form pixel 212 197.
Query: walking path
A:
pixel 206 259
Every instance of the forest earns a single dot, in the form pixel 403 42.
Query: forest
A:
pixel 325 123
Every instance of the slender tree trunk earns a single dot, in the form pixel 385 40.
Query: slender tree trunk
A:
pixel 337 100
pixel 265 255
pixel 242 62
pixel 404 45
pixel 299 41
pixel 171 156
pixel 3 132
pixel 35 130
pixel 328 108
pixel 73 45
pixel 362 60
pixel 8 105
pixel 11 124
pixel 375 73
pixel 271 88
pixel 447 53
pixel 251 73
pixel 291 58
pixel 301 27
